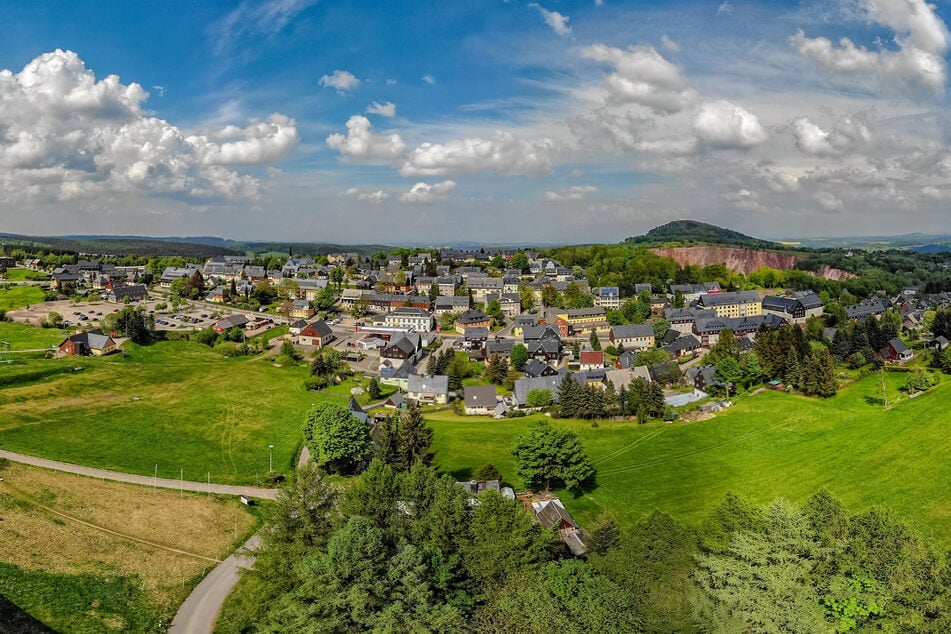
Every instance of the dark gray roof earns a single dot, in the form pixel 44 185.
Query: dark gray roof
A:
pixel 686 342
pixel 544 331
pixel 472 316
pixel 320 327
pixel 552 514
pixel 501 347
pixel 476 332
pixel 526 385
pixel 480 396
pixel 724 299
pixel 423 383
pixel 632 331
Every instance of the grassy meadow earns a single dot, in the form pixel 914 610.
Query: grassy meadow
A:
pixel 768 445
pixel 75 556
pixel 27 337
pixel 19 296
pixel 177 405
pixel 19 275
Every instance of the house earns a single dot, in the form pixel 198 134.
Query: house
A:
pixel 480 400
pixel 218 295
pixel 552 514
pixel 134 293
pixel 238 320
pixel 520 322
pixel 472 318
pixel 547 350
pixel 693 292
pixel 301 309
pixel 795 310
pixel 592 360
pixel 526 385
pixel 415 319
pixel 585 320
pixel 624 378
pixel 639 336
pixel 395 400
pixel 501 348
pixel 666 372
pixel 358 412
pixel 737 304
pixel 535 368
pixel 875 307
pixel 607 297
pixel 403 349
pixel 475 337
pixel 395 375
pixel 703 377
pixel 896 350
pixel 296 326
pixel 682 319
pixel 451 304
pixel 939 343
pixel 423 388
pixel 316 333
pixel 627 359
pixel 531 334
pixel 684 345
pixel 475 487
pixel 92 342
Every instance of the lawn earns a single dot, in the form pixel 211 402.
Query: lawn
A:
pixel 177 405
pixel 26 337
pixel 768 445
pixel 62 566
pixel 19 275
pixel 20 296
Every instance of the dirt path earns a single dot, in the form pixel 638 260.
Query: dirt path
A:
pixel 164 483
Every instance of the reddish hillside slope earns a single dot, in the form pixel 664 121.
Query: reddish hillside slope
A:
pixel 738 260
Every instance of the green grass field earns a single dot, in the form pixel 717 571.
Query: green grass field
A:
pixel 18 275
pixel 19 296
pixel 26 337
pixel 768 445
pixel 175 404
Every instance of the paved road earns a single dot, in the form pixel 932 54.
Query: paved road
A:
pixel 197 615
pixel 164 483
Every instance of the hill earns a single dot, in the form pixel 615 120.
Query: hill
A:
pixel 696 232
pixel 116 245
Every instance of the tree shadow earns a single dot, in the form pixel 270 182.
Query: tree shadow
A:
pixel 875 401
pixel 461 475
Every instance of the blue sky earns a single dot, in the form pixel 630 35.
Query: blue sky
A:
pixel 484 121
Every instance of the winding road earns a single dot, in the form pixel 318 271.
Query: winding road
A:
pixel 197 615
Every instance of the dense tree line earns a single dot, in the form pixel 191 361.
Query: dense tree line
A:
pixel 786 355
pixel 405 551
pixel 644 399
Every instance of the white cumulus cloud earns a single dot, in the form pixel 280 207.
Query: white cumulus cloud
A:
pixel 341 80
pixel 505 153
pixel 68 134
pixel 576 192
pixel 426 193
pixel 642 76
pixel 361 142
pixel 726 125
pixel 555 20
pixel 918 66
pixel 387 109
pixel 260 143
pixel 375 197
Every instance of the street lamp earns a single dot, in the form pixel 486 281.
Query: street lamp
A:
pixel 270 458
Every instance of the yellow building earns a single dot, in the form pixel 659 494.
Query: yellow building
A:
pixel 738 304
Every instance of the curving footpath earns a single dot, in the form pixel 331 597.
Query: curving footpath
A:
pixel 163 483
pixel 197 615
